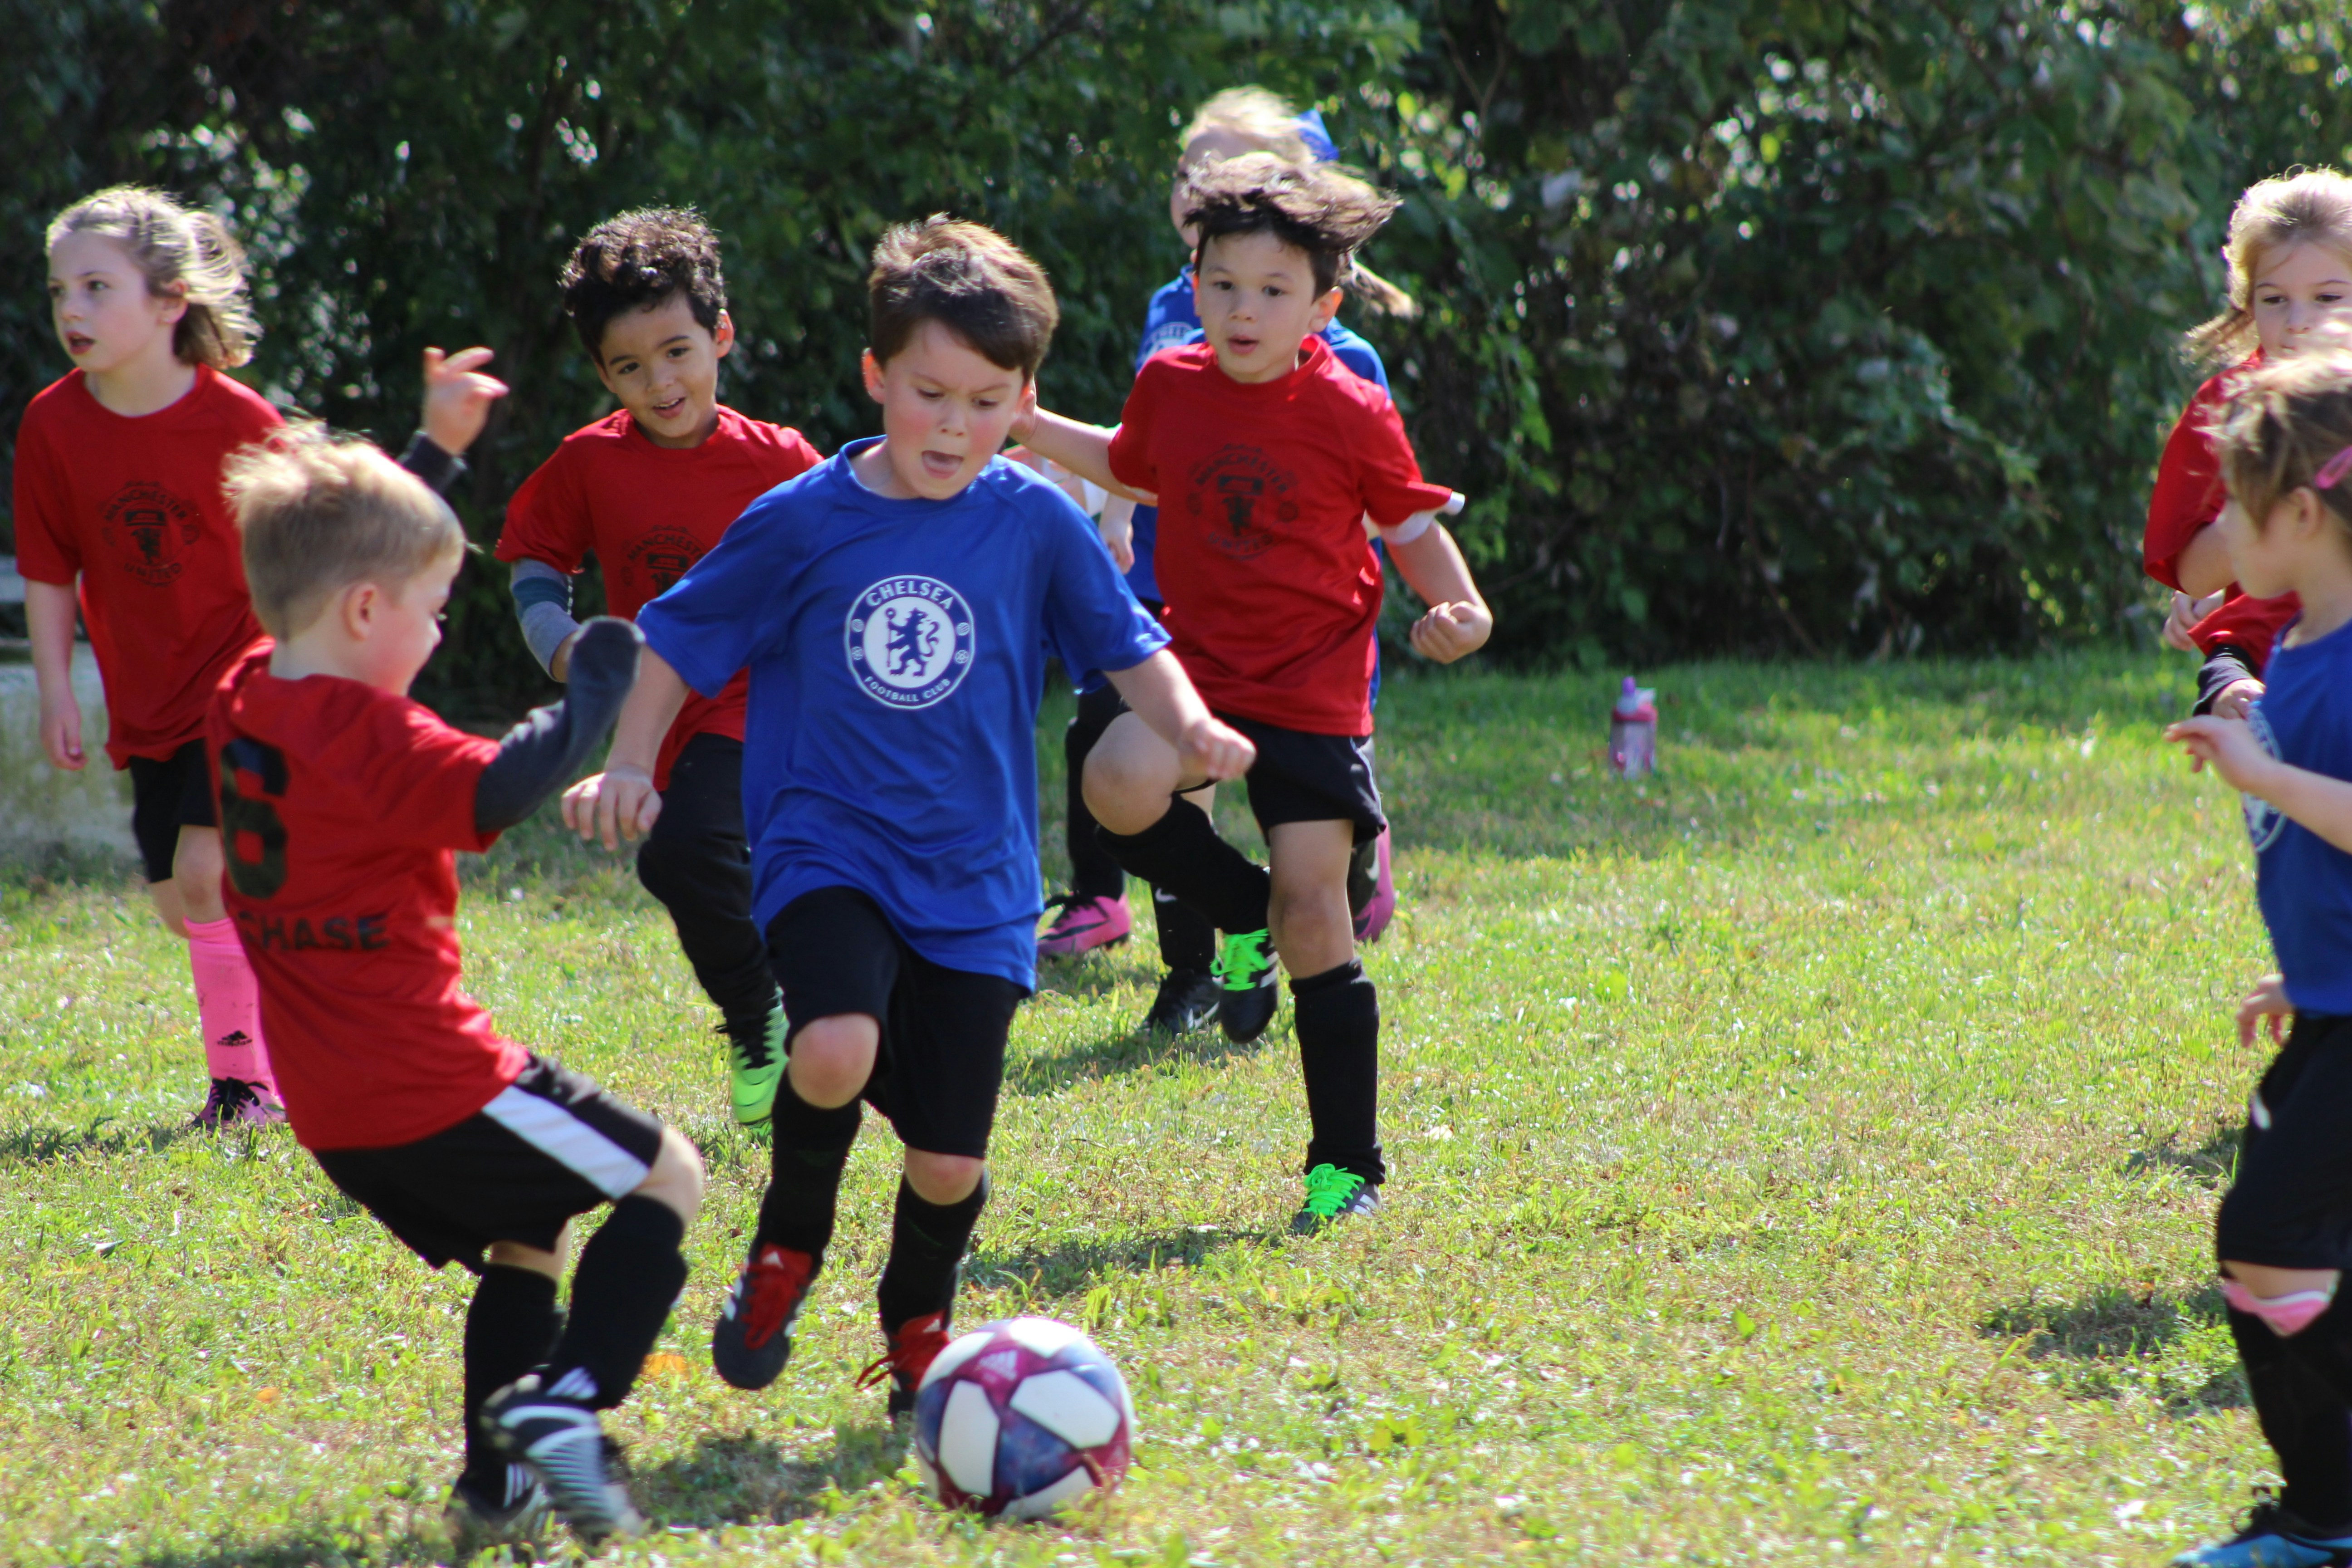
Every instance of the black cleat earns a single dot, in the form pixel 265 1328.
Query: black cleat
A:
pixel 1334 1194
pixel 753 1339
pixel 1187 1000
pixel 558 1438
pixel 1249 985
pixel 476 1521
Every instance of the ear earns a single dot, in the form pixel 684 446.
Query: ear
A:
pixel 723 336
pixel 2306 514
pixel 357 608
pixel 172 306
pixel 873 369
pixel 1325 308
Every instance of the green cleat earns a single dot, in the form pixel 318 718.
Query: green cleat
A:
pixel 1334 1194
pixel 1245 970
pixel 755 1066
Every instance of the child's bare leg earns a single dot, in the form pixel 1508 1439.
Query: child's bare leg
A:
pixel 1313 929
pixel 2268 1283
pixel 197 867
pixel 1131 776
pixel 1132 781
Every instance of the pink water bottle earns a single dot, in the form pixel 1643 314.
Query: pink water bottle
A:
pixel 1633 731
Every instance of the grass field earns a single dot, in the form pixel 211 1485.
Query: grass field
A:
pixel 1808 1156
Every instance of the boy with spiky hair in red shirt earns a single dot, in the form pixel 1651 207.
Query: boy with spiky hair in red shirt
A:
pixel 1266 457
pixel 648 490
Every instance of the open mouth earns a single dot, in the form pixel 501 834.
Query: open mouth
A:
pixel 942 464
pixel 80 343
pixel 672 409
pixel 1242 347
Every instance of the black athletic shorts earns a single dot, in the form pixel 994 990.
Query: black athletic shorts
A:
pixel 552 1145
pixel 2290 1207
pixel 943 1030
pixel 166 796
pixel 1300 777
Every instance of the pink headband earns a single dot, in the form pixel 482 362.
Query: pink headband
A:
pixel 2334 469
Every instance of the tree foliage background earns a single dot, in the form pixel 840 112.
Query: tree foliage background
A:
pixel 1751 326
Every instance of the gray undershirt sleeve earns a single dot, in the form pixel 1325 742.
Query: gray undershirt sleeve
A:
pixel 543 598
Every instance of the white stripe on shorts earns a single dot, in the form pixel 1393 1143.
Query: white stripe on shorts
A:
pixel 562 1137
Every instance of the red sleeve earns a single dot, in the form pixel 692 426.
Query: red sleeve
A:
pixel 2189 493
pixel 1387 473
pixel 1130 444
pixel 47 551
pixel 2249 624
pixel 414 777
pixel 548 518
pixel 797 458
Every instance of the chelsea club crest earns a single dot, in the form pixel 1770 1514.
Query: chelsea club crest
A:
pixel 909 641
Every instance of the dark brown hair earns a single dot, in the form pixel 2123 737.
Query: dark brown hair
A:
pixel 640 259
pixel 1320 208
pixel 319 512
pixel 2283 423
pixel 968 279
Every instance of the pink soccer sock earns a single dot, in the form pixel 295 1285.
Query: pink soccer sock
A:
pixel 228 1005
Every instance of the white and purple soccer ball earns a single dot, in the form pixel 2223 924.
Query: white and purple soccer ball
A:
pixel 1017 1419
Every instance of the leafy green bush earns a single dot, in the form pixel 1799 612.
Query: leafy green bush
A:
pixel 1747 326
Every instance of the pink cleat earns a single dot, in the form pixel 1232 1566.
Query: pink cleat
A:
pixel 1084 924
pixel 1374 917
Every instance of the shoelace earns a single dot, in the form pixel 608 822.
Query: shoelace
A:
pixel 776 1287
pixel 1066 902
pixel 236 1096
pixel 1329 1188
pixel 751 1051
pixel 912 1350
pixel 1241 959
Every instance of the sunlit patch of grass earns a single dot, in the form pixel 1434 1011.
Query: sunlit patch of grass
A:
pixel 1807 1153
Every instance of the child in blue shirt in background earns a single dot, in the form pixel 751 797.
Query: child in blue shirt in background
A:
pixel 894 607
pixel 2284 1235
pixel 1094 912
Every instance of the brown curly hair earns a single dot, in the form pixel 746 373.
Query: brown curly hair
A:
pixel 637 260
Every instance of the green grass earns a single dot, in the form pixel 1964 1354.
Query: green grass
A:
pixel 1809 1156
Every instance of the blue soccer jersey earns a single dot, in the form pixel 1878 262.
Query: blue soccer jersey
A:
pixel 2304 882
pixel 897 652
pixel 1173 319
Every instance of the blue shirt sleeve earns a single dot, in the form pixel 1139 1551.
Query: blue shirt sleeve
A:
pixel 1169 322
pixel 719 617
pixel 1357 354
pixel 1093 622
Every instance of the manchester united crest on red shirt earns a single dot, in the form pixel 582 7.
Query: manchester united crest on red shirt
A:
pixel 660 556
pixel 145 528
pixel 1242 500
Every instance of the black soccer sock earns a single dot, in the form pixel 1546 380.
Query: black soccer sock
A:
pixel 1183 853
pixel 1187 939
pixel 2306 1421
pixel 511 1326
pixel 1337 1014
pixel 927 1246
pixel 812 1147
pixel 1093 873
pixel 629 1277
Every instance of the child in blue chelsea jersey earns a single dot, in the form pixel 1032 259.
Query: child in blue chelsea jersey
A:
pixel 2284 1235
pixel 894 607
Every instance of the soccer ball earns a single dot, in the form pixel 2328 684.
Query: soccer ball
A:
pixel 1017 1419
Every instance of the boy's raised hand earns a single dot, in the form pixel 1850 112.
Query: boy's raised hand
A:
pixel 619 803
pixel 1451 630
pixel 2229 745
pixel 2268 999
pixel 457 397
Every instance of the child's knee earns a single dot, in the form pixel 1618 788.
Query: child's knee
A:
pixel 832 1058
pixel 196 858
pixel 943 1178
pixel 676 1179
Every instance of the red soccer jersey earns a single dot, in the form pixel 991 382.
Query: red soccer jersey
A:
pixel 135 505
pixel 340 806
pixel 1272 589
pixel 649 513
pixel 2189 495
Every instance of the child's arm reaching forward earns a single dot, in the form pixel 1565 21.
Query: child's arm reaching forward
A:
pixel 1083 449
pixel 1162 696
pixel 620 803
pixel 1458 621
pixel 537 754
pixel 2319 803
